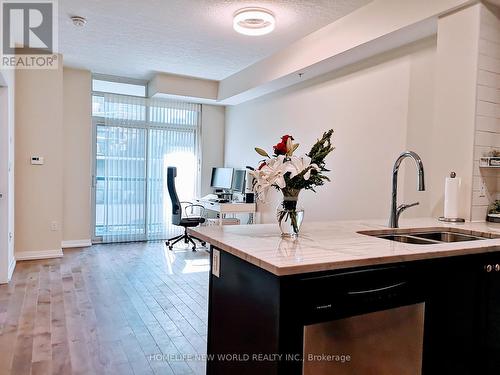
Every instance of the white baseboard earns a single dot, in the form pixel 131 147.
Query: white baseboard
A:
pixel 43 254
pixel 12 266
pixel 76 243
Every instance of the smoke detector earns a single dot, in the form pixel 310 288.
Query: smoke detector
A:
pixel 78 21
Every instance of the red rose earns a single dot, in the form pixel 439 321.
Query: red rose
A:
pixel 280 148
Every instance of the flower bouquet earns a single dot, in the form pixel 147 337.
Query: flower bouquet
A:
pixel 290 174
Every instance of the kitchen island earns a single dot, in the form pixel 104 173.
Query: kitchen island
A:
pixel 277 305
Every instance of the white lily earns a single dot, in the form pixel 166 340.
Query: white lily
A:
pixel 261 184
pixel 272 173
pixel 299 164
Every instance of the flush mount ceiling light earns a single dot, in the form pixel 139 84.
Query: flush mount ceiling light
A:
pixel 78 21
pixel 254 21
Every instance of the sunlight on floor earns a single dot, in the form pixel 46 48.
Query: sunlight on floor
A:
pixel 196 265
pixel 191 262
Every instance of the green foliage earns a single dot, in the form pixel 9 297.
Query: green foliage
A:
pixel 494 207
pixel 318 153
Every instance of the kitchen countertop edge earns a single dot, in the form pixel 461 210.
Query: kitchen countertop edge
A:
pixel 400 253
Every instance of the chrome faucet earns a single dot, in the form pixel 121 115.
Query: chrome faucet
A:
pixel 396 211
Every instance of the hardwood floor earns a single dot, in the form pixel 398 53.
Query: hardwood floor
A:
pixel 110 309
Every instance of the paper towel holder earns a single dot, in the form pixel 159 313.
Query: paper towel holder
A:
pixel 456 219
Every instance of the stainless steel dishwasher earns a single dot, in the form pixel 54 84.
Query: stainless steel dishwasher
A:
pixel 379 329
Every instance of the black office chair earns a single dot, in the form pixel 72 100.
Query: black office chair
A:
pixel 177 217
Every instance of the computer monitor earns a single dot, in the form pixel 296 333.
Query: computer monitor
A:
pixel 239 180
pixel 222 178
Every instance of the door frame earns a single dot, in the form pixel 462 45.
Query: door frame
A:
pixel 95 121
pixel 7 259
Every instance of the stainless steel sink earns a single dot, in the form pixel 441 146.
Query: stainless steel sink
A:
pixel 426 238
pixel 448 236
pixel 407 239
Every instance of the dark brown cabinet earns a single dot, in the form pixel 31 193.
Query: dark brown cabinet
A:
pixel 253 312
pixel 453 317
pixel 490 315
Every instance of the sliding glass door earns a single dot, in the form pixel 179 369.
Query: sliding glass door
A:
pixel 120 183
pixel 131 200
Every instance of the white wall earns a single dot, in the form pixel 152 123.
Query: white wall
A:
pixel 39 189
pixel 212 143
pixel 452 138
pixel 487 135
pixel 7 115
pixel 77 147
pixel 420 124
pixel 373 106
pixel 172 86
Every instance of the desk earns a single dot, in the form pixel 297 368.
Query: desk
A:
pixel 229 208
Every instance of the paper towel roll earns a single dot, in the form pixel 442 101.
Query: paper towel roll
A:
pixel 451 197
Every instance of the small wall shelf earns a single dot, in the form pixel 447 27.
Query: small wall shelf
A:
pixel 489 162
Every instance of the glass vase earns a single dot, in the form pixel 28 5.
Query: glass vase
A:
pixel 289 215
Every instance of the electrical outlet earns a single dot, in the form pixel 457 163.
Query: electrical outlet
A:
pixel 482 189
pixel 54 226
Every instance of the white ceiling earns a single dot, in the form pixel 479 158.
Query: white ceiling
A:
pixel 136 38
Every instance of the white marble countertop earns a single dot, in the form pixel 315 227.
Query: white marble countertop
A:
pixel 337 244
